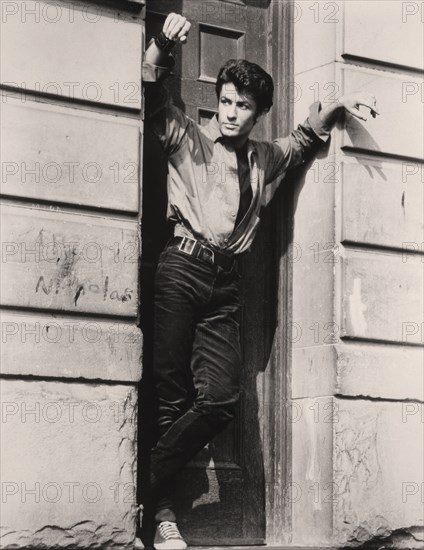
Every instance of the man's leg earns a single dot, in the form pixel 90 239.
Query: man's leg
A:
pixel 174 326
pixel 215 366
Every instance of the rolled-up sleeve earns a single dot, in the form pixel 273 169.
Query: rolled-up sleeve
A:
pixel 156 74
pixel 299 146
pixel 167 122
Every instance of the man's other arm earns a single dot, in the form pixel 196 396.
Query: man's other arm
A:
pixel 309 137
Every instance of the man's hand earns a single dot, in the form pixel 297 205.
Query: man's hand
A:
pixel 352 102
pixel 176 27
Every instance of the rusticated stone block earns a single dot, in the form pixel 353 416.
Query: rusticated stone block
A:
pixel 360 370
pixel 52 345
pixel 397 188
pixel 64 261
pixel 378 470
pixel 69 155
pixel 96 69
pixel 68 465
pixel 382 296
pixel 406 114
pixel 357 472
pixel 369 33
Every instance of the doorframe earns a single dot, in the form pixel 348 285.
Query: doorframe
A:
pixel 278 509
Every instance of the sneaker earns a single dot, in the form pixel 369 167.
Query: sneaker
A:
pixel 168 537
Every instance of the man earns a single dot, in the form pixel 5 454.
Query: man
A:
pixel 217 179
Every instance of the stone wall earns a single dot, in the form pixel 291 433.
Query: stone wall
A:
pixel 71 348
pixel 357 372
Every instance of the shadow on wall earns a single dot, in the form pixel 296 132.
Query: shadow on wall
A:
pixel 360 139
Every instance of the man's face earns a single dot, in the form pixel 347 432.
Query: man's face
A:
pixel 236 113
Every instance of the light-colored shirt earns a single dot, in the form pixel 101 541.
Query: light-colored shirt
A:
pixel 203 186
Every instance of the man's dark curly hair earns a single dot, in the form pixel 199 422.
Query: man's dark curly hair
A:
pixel 249 79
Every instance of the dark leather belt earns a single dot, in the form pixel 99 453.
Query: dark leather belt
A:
pixel 199 250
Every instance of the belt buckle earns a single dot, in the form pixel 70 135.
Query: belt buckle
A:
pixel 182 244
pixel 211 253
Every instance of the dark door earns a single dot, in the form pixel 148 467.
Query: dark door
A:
pixel 222 492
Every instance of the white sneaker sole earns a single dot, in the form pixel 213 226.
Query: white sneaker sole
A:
pixel 171 545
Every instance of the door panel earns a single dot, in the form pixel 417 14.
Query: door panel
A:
pixel 221 494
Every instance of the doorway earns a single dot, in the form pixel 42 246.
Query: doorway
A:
pixel 232 493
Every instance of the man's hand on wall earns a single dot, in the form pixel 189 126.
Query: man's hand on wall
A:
pixel 352 102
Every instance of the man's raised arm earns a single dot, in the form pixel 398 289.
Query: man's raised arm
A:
pixel 157 61
pixel 166 120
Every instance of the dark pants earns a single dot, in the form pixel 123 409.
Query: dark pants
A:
pixel 196 363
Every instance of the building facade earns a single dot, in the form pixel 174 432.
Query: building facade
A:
pixel 327 449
